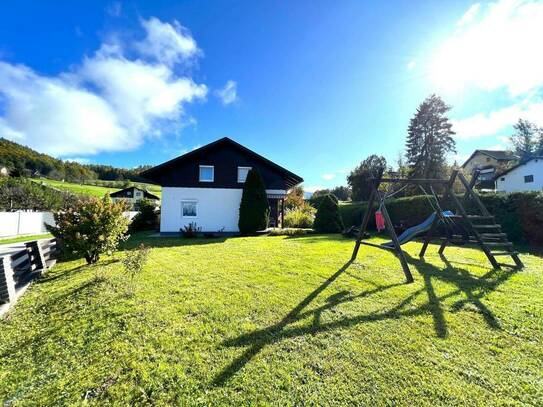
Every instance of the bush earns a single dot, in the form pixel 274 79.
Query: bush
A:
pixel 20 193
pixel 254 209
pixel 316 200
pixel 146 218
pixel 134 261
pixel 327 219
pixel 288 231
pixel 301 217
pixel 91 227
pixel 191 230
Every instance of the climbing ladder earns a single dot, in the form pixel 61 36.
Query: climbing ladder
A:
pixel 482 228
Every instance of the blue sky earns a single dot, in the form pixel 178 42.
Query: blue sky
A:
pixel 315 86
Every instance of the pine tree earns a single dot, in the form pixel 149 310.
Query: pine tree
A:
pixel 429 139
pixel 254 209
pixel 524 139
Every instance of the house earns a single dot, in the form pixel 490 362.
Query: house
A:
pixel 488 163
pixel 526 176
pixel 133 195
pixel 205 186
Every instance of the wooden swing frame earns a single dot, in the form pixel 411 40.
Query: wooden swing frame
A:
pixel 476 232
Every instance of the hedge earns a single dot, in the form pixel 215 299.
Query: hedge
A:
pixel 520 214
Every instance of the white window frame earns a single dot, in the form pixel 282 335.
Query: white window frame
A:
pixel 212 173
pixel 243 168
pixel 192 201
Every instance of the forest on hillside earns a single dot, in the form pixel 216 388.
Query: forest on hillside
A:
pixel 22 161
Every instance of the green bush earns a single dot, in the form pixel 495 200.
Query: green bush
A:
pixel 519 214
pixel 254 210
pixel 91 227
pixel 327 219
pixel 146 218
pixel 301 217
pixel 316 200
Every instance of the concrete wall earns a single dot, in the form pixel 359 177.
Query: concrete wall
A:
pixel 217 208
pixel 514 181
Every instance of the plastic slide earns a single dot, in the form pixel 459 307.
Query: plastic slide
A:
pixel 414 231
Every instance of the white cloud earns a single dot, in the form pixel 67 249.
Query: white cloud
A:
pixel 328 177
pixel 167 43
pixel 115 9
pixel 469 15
pixel 481 124
pixel 498 49
pixel 108 103
pixel 411 65
pixel 229 93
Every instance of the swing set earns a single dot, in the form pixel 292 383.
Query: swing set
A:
pixel 460 227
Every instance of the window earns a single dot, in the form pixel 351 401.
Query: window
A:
pixel 242 173
pixel 128 193
pixel 207 173
pixel 487 159
pixel 189 209
pixel 528 178
pixel 502 179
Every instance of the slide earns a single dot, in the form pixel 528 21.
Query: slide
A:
pixel 414 231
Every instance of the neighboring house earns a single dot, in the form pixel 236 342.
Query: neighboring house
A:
pixel 133 196
pixel 205 186
pixel 488 163
pixel 527 176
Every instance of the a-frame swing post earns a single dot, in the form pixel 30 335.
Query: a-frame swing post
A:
pixel 397 246
pixel 365 221
pixel 429 235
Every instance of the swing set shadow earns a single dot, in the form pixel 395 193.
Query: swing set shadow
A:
pixel 474 290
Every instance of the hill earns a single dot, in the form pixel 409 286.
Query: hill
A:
pixel 23 161
pixel 97 188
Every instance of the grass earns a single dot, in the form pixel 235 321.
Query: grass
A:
pixel 24 238
pixel 99 191
pixel 78 189
pixel 278 320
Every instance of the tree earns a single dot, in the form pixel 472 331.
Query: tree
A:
pixel 359 178
pixel 327 219
pixel 295 197
pixel 254 209
pixel 527 139
pixel 341 192
pixel 429 139
pixel 91 227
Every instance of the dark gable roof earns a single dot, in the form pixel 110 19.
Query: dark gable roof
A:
pixel 120 193
pixel 514 167
pixel 291 178
pixel 500 155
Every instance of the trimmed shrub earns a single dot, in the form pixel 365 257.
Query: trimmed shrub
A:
pixel 301 217
pixel 254 210
pixel 327 219
pixel 146 218
pixel 315 201
pixel 91 227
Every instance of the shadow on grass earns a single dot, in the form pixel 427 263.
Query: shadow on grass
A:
pixel 473 288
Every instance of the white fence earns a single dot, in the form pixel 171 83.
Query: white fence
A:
pixel 14 224
pixel 24 223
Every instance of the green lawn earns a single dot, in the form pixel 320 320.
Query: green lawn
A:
pixel 24 238
pixel 95 190
pixel 79 189
pixel 278 320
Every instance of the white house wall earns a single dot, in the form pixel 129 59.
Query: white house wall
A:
pixel 217 208
pixel 514 180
